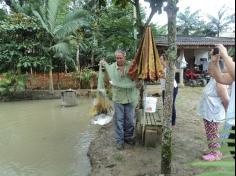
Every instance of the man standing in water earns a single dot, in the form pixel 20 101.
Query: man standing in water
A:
pixel 124 96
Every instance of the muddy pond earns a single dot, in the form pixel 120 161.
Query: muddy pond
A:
pixel 42 138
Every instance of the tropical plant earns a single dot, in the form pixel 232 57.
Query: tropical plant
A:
pixel 116 30
pixel 110 28
pixel 222 21
pixel 159 30
pixel 232 52
pixel 12 83
pixel 206 30
pixel 21 43
pixel 156 6
pixel 23 6
pixel 60 30
pixel 188 23
pixel 85 76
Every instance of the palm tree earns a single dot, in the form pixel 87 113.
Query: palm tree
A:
pixel 188 23
pixel 59 29
pixel 222 21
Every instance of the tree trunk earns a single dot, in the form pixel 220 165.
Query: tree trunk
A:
pixel 150 17
pixel 135 27
pixel 51 88
pixel 77 59
pixel 95 33
pixel 66 68
pixel 166 152
pixel 92 57
pixel 139 19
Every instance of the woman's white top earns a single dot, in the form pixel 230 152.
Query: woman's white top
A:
pixel 211 107
pixel 231 108
pixel 163 82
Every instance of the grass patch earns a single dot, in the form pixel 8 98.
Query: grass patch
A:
pixel 119 157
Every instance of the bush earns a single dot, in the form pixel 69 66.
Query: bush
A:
pixel 86 77
pixel 12 83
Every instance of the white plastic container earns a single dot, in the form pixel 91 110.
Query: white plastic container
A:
pixel 150 104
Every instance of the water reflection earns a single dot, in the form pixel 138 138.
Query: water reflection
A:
pixel 41 138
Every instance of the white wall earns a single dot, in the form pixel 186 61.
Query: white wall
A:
pixel 200 53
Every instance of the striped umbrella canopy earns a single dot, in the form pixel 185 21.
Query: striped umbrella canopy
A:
pixel 146 64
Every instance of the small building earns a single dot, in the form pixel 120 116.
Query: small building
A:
pixel 195 50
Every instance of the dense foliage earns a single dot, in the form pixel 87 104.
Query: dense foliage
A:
pixel 22 43
pixel 67 36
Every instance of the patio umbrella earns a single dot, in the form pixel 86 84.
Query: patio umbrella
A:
pixel 146 63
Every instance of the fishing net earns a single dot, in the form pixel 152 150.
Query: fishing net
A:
pixel 102 104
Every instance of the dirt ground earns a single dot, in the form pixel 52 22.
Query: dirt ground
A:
pixel 188 143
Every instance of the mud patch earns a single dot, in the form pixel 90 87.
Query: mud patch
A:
pixel 188 143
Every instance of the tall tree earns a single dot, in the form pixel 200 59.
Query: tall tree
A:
pixel 206 30
pixel 96 13
pixel 222 21
pixel 116 31
pixel 188 23
pixel 155 5
pixel 166 152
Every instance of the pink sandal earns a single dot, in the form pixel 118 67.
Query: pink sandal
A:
pixel 213 156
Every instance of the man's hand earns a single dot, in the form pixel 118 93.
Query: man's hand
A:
pixel 102 62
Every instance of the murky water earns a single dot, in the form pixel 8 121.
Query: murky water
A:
pixel 40 138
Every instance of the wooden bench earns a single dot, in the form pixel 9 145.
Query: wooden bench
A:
pixel 149 127
pixel 152 128
pixel 153 119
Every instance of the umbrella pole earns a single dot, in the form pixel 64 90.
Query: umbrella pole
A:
pixel 143 95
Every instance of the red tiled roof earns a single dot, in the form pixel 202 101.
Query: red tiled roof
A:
pixel 197 41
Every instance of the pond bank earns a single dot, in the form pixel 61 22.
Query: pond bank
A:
pixel 43 95
pixel 188 143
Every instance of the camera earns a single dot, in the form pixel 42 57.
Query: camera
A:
pixel 216 51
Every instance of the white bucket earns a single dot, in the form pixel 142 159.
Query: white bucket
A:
pixel 150 104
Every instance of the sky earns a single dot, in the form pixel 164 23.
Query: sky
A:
pixel 206 6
